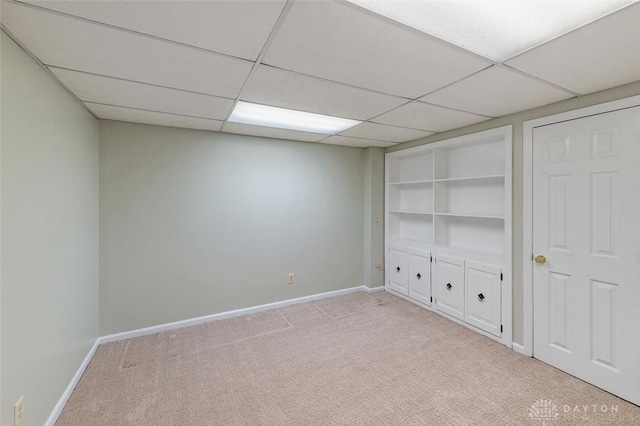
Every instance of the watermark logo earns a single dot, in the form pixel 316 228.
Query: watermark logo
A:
pixel 543 410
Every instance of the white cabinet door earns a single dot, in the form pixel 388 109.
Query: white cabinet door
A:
pixel 399 271
pixel 483 305
pixel 450 286
pixel 420 277
pixel 585 237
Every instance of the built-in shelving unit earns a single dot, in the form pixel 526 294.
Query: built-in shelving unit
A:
pixel 452 199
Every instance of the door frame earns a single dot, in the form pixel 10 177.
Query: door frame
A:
pixel 527 201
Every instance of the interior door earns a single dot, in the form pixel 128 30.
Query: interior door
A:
pixel 586 244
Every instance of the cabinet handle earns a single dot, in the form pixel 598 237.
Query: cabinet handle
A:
pixel 419 276
pixel 449 286
pixel 481 297
pixel 398 269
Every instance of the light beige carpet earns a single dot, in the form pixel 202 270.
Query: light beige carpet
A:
pixel 358 359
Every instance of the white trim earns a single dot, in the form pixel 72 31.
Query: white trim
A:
pixel 373 289
pixel 520 349
pixel 224 315
pixel 527 201
pixel 57 410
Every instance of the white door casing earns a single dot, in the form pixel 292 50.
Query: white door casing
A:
pixel 586 297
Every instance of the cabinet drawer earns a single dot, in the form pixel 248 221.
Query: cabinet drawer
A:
pixel 420 277
pixel 483 304
pixel 450 286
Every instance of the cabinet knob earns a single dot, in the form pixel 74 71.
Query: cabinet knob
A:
pixel 449 286
pixel 481 297
pixel 419 276
pixel 398 269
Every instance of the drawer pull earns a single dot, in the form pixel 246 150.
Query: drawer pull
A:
pixel 418 276
pixel 481 297
pixel 398 269
pixel 449 286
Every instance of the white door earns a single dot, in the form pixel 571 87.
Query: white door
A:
pixel 399 271
pixel 420 277
pixel 450 286
pixel 586 223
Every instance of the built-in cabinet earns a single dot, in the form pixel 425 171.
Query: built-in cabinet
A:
pixel 448 228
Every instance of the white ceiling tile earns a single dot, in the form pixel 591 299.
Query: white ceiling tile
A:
pixel 496 92
pixel 76 44
pixel 595 57
pixel 355 142
pixel 287 89
pixel 417 115
pixel 212 25
pixel 270 132
pixel 108 112
pixel 385 133
pixel 345 44
pixel 112 91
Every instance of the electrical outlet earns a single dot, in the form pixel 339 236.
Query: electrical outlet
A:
pixel 18 411
pixel 291 278
pixel 378 264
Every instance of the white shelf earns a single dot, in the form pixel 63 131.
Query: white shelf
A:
pixel 472 178
pixel 479 216
pixel 410 212
pixel 413 182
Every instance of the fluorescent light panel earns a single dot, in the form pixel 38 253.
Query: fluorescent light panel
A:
pixel 281 118
pixel 495 29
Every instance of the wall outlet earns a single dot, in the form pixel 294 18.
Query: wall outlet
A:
pixel 292 278
pixel 18 411
pixel 378 264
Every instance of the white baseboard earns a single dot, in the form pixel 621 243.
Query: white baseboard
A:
pixel 57 410
pixel 520 349
pixel 373 289
pixel 224 315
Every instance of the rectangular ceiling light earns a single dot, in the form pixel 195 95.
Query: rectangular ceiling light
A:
pixel 495 29
pixel 281 118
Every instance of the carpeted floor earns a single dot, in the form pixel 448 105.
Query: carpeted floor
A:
pixel 359 359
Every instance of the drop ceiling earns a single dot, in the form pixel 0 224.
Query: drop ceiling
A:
pixel 188 63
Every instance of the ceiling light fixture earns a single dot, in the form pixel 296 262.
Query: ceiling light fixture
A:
pixel 281 118
pixel 495 29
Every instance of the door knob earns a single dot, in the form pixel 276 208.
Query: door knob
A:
pixel 449 286
pixel 398 269
pixel 418 276
pixel 540 259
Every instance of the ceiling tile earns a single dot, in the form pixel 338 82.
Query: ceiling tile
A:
pixel 496 92
pixel 384 133
pixel 108 112
pixel 355 142
pixel 212 25
pixel 76 44
pixel 270 132
pixel 595 57
pixel 417 115
pixel 287 89
pixel 349 45
pixel 112 91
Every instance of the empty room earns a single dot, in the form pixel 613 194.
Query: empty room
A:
pixel 327 212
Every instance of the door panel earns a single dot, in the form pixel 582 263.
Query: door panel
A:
pixel 586 182
pixel 483 304
pixel 399 271
pixel 420 277
pixel 450 286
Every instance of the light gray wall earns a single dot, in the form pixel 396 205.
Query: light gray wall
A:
pixel 193 223
pixel 49 222
pixel 373 216
pixel 517 121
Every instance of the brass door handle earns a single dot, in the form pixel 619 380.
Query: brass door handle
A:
pixel 540 259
